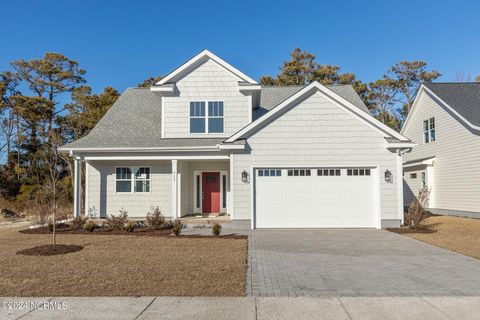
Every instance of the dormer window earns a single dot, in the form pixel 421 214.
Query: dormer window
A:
pixel 197 117
pixel 206 120
pixel 215 116
pixel 429 130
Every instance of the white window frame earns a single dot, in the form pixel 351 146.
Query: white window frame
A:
pixel 133 170
pixel 198 117
pixel 427 133
pixel 207 116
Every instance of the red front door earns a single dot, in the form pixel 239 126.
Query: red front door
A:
pixel 211 192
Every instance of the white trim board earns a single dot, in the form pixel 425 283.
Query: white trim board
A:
pixel 331 96
pixel 172 157
pixel 193 61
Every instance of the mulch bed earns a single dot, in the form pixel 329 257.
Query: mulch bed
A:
pixel 411 231
pixel 64 229
pixel 50 250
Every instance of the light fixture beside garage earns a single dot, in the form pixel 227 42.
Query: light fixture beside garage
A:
pixel 388 176
pixel 244 176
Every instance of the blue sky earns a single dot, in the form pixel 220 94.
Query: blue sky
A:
pixel 120 43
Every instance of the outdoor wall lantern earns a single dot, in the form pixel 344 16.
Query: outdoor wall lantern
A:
pixel 244 176
pixel 388 176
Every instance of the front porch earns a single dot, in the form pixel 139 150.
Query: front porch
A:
pixel 189 188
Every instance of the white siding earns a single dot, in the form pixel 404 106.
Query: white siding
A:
pixel 456 184
pixel 411 186
pixel 210 82
pixel 315 133
pixel 103 199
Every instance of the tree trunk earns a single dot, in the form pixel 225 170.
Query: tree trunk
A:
pixel 54 212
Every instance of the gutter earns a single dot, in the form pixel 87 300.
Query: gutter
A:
pixel 217 147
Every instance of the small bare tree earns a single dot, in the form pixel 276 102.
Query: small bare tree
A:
pixel 416 211
pixel 49 153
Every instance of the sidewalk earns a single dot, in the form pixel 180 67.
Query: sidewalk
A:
pixel 240 308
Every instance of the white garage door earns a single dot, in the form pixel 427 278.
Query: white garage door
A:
pixel 315 198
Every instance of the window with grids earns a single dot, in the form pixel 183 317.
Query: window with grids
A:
pixel 329 172
pixel 269 173
pixel 197 117
pixel 206 120
pixel 139 182
pixel 215 117
pixel 124 180
pixel 429 134
pixel 299 172
pixel 142 180
pixel 358 172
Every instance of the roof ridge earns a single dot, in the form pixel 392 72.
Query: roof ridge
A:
pixel 304 85
pixel 453 82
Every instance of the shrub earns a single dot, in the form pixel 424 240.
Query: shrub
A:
pixel 168 226
pixel 117 222
pixel 177 227
pixel 416 212
pixel 216 229
pixel 78 223
pixel 90 226
pixel 129 227
pixel 155 220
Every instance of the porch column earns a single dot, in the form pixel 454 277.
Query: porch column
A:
pixel 77 187
pixel 174 190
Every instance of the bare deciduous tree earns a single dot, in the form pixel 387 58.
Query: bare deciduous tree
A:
pixel 416 212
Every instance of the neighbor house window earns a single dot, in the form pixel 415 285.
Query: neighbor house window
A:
pixel 215 117
pixel 206 120
pixel 139 182
pixel 429 130
pixel 424 180
pixel 197 117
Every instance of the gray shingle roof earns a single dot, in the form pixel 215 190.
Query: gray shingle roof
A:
pixel 463 97
pixel 134 121
pixel 272 96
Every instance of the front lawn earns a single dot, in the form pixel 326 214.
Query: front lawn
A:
pixel 117 265
pixel 461 235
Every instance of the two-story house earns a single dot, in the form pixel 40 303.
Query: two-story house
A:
pixel 208 139
pixel 445 124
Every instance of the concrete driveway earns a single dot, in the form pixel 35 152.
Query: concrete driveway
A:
pixel 316 263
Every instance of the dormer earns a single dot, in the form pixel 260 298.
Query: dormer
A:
pixel 205 98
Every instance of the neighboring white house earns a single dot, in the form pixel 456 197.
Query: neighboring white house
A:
pixel 208 139
pixel 445 124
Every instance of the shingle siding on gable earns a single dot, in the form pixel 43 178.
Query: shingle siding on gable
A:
pixel 209 81
pixel 457 150
pixel 316 133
